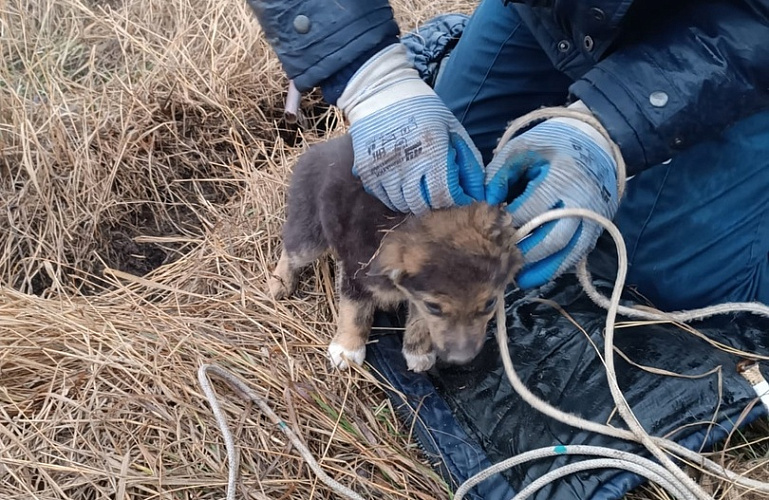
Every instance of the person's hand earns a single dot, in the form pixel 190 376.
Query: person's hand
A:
pixel 559 163
pixel 410 151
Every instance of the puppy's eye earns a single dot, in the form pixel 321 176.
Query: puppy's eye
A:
pixel 489 306
pixel 433 308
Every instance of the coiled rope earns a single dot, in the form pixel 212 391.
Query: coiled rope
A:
pixel 664 472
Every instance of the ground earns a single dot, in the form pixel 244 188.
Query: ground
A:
pixel 143 166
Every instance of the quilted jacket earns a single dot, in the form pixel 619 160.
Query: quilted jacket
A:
pixel 659 75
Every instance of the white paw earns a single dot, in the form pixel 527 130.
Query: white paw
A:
pixel 419 362
pixel 341 357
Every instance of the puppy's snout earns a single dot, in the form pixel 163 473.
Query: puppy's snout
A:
pixel 461 349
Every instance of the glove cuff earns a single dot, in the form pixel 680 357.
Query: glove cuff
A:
pixel 584 127
pixel 388 77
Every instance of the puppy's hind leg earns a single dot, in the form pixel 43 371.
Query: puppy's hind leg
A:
pixel 355 318
pixel 417 346
pixel 282 282
pixel 303 244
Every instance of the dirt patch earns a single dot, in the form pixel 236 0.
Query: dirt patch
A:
pixel 124 253
pixel 177 218
pixel 183 160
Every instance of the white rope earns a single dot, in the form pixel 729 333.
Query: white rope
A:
pixel 245 392
pixel 637 432
pixel 661 477
pixel 680 316
pixel 622 406
pixel 668 475
pixel 656 472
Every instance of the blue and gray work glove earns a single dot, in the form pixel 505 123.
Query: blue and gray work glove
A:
pixel 410 151
pixel 559 163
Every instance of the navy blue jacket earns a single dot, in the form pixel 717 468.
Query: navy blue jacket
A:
pixel 659 75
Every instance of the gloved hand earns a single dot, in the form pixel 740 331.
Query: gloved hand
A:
pixel 410 151
pixel 559 163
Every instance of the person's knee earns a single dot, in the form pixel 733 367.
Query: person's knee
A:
pixel 496 73
pixel 697 229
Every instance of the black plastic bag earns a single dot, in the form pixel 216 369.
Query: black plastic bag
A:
pixel 469 417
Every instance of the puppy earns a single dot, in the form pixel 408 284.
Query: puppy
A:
pixel 450 265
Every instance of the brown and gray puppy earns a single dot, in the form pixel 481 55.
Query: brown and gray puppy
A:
pixel 451 265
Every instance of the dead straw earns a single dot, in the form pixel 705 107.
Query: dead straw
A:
pixel 143 165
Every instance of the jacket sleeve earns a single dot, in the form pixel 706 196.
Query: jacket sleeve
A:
pixel 316 40
pixel 685 81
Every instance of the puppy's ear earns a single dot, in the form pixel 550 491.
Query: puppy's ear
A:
pixel 389 260
pixel 504 231
pixel 503 234
pixel 496 224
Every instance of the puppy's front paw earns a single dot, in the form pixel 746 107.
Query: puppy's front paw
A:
pixel 419 362
pixel 341 357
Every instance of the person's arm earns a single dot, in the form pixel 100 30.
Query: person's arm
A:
pixel 411 152
pixel 686 81
pixel 322 43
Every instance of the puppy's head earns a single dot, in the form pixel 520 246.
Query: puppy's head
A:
pixel 452 265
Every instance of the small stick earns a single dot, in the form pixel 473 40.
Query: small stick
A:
pixel 291 110
pixel 749 369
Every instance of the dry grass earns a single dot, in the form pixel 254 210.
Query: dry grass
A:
pixel 140 136
pixel 145 133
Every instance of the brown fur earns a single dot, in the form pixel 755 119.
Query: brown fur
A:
pixel 450 265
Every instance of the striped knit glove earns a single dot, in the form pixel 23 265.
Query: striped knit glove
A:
pixel 560 163
pixel 410 150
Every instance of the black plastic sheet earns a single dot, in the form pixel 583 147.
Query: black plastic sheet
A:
pixel 469 417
